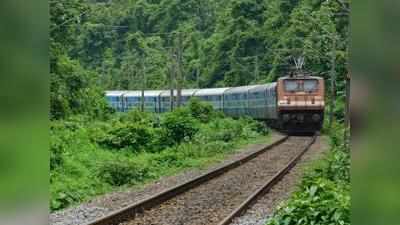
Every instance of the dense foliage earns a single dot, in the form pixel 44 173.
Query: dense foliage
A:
pixel 89 158
pixel 324 194
pixel 98 45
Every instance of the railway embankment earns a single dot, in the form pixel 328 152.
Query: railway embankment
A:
pixel 91 158
pixel 323 195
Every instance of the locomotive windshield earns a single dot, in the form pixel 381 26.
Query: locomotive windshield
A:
pixel 310 85
pixel 301 85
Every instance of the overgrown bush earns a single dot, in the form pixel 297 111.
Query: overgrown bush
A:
pixel 335 168
pixel 178 126
pixel 336 135
pixel 57 147
pixel 202 111
pixel 66 190
pixel 61 133
pixel 257 126
pixel 319 202
pixel 85 162
pixel 138 117
pixel 167 158
pixel 122 172
pixel 128 135
pixel 228 129
pixel 225 130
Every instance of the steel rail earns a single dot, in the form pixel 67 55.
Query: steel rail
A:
pixel 267 186
pixel 129 212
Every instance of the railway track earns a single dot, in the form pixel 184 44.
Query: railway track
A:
pixel 218 196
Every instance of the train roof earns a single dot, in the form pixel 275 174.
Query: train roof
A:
pixel 167 93
pixel 189 92
pixel 153 93
pixel 184 92
pixel 114 93
pixel 133 94
pixel 263 87
pixel 210 91
pixel 240 89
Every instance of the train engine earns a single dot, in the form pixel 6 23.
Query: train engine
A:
pixel 300 103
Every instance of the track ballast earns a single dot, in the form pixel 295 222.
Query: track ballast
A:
pixel 218 196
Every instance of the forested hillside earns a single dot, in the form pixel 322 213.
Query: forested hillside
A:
pixel 128 44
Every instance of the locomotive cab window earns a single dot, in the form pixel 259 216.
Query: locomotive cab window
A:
pixel 298 86
pixel 310 85
pixel 291 85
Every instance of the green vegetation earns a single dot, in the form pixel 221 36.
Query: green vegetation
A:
pixel 89 158
pixel 324 194
pixel 98 45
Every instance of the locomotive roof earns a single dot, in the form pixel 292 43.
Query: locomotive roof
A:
pixel 210 91
pixel 300 77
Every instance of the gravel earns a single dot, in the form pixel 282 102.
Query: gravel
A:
pixel 259 213
pixel 212 201
pixel 108 203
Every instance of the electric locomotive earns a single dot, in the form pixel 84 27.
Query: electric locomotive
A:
pixel 300 103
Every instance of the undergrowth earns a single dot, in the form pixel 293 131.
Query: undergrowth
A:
pixel 89 158
pixel 323 196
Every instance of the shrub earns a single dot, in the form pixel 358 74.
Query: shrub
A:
pixel 202 111
pixel 132 136
pixel 83 165
pixel 319 202
pixel 65 194
pixel 61 134
pixel 178 126
pixel 138 117
pixel 336 135
pixel 167 158
pixel 225 130
pixel 336 167
pixel 98 131
pixel 121 172
pixel 228 130
pixel 57 147
pixel 255 126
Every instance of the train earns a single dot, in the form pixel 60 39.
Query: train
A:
pixel 292 103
